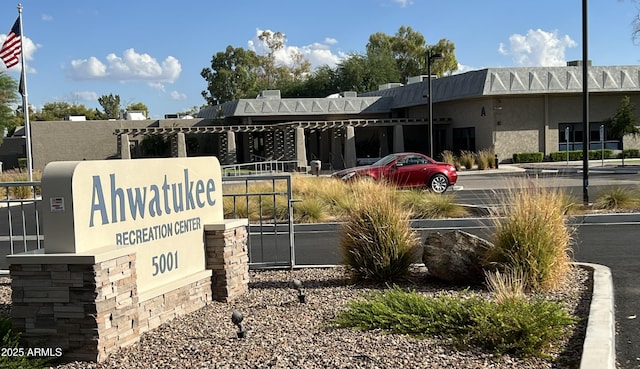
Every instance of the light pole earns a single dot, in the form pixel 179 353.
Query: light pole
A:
pixel 430 57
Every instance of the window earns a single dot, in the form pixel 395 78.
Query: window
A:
pixel 464 139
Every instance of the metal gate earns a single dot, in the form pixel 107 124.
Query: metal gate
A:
pixel 266 201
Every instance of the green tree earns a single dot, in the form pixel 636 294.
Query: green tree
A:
pixel 61 110
pixel 408 49
pixel 8 98
pixel 110 106
pixel 233 75
pixel 281 76
pixel 139 107
pixel 623 123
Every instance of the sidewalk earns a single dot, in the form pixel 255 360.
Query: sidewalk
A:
pixel 631 166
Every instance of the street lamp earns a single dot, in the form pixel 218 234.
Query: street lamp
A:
pixel 430 57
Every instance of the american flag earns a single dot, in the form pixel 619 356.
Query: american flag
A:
pixel 12 46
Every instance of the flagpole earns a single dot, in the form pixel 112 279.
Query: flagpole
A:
pixel 25 103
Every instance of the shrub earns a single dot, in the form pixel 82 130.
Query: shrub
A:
pixel 429 205
pixel 516 326
pixel 468 159
pixel 377 241
pixel 448 157
pixel 617 198
pixel 577 155
pixel 310 210
pixel 486 159
pixel 528 157
pixel 630 153
pixel 532 236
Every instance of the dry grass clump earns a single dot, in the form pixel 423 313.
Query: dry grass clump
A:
pixel 468 159
pixel 532 236
pixel 486 159
pixel 19 192
pixel 616 198
pixel 377 241
pixel 322 199
pixel 507 286
pixel 429 205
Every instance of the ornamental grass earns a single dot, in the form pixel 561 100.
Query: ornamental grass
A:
pixel 532 236
pixel 376 240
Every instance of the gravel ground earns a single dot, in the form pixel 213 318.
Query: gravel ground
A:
pixel 282 333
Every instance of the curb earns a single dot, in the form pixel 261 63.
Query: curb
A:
pixel 599 347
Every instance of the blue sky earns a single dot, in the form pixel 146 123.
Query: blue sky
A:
pixel 153 52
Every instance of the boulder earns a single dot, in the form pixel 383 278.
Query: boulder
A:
pixel 455 256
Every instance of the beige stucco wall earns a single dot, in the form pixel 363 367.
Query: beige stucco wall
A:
pixel 90 140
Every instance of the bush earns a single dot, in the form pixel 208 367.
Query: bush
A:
pixel 448 157
pixel 486 159
pixel 532 236
pixel 617 198
pixel 377 241
pixel 630 153
pixel 516 326
pixel 575 155
pixel 429 205
pixel 528 157
pixel 468 159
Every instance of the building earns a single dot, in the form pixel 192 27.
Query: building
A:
pixel 509 110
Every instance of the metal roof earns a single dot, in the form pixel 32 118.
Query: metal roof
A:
pixel 515 81
pixel 477 83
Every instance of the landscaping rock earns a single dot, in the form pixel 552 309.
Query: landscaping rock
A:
pixel 455 256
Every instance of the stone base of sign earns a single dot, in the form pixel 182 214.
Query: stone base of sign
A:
pixel 89 305
pixel 228 259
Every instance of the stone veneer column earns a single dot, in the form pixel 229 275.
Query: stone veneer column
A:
pixel 398 138
pixel 301 150
pixel 228 258
pixel 350 147
pixel 231 148
pixel 87 310
pixel 181 145
pixel 125 148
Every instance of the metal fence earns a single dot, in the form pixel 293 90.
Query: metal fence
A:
pixel 260 168
pixel 20 224
pixel 264 199
pixel 267 202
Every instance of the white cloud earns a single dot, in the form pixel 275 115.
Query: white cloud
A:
pixel 175 95
pixel 403 3
pixel 47 17
pixel 85 96
pixel 131 66
pixel 318 53
pixel 538 48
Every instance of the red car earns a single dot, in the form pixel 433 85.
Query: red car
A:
pixel 406 170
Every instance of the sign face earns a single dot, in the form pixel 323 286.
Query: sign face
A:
pixel 155 207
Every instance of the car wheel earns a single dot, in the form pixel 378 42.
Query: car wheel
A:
pixel 438 183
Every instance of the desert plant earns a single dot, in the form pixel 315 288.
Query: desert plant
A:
pixel 516 326
pixel 486 159
pixel 310 210
pixel 429 205
pixel 617 198
pixel 506 286
pixel 532 236
pixel 448 157
pixel 377 241
pixel 467 159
